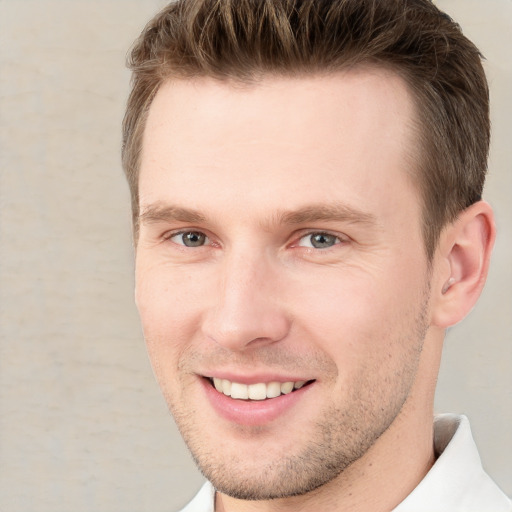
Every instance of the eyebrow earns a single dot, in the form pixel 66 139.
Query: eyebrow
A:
pixel 159 213
pixel 326 212
pixel 307 214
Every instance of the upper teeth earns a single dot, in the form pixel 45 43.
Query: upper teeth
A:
pixel 258 391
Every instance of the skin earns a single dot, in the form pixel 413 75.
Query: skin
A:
pixel 258 170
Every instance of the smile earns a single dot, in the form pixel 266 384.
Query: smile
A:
pixel 258 391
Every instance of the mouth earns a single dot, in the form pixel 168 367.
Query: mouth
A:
pixel 257 391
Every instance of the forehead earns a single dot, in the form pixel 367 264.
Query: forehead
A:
pixel 349 133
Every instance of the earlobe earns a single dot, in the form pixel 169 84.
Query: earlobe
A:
pixel 464 254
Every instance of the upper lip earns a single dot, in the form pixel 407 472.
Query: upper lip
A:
pixel 255 378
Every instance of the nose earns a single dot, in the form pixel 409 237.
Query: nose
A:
pixel 248 309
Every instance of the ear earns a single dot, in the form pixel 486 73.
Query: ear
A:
pixel 462 263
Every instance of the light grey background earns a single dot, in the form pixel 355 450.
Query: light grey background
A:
pixel 82 423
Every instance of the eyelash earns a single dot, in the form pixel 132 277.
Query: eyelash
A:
pixel 169 236
pixel 339 240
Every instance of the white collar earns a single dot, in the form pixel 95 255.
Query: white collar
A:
pixel 457 481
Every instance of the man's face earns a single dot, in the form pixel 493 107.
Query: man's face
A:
pixel 280 246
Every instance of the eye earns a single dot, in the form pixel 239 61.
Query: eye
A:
pixel 189 238
pixel 319 240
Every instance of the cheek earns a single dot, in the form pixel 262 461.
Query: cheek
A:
pixel 167 299
pixel 359 320
pixel 342 304
pixel 169 308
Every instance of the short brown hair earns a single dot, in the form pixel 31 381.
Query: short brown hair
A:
pixel 246 39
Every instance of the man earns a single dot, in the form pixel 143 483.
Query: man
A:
pixel 306 183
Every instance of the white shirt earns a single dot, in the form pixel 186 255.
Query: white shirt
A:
pixel 455 483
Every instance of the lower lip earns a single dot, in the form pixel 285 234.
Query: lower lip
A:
pixel 252 412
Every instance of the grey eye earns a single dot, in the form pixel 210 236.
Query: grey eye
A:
pixel 319 240
pixel 190 239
